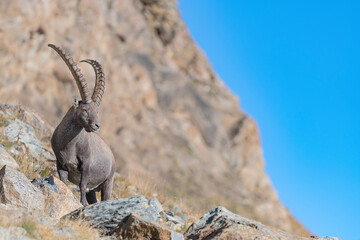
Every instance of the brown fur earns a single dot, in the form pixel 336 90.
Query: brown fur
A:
pixel 82 157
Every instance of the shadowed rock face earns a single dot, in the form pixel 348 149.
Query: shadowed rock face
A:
pixel 165 113
pixel 133 227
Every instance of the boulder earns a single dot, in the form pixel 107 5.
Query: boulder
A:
pixel 6 159
pixel 24 133
pixel 107 215
pixel 16 189
pixel 18 131
pixel 59 198
pixel 134 227
pixel 174 222
pixel 220 223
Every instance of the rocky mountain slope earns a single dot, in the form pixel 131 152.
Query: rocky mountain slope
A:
pixel 166 115
pixel 35 204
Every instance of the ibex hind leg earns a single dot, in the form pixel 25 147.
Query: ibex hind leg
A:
pixel 91 197
pixel 107 189
pixel 63 173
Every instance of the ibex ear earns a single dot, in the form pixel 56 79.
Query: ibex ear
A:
pixel 75 102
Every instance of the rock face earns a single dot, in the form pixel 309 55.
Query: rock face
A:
pixel 106 216
pixel 23 132
pixel 16 189
pixel 165 113
pixel 220 223
pixel 59 200
pixel 133 227
pixel 48 196
pixel 6 159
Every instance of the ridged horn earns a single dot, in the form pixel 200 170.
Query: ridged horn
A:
pixel 99 81
pixel 75 71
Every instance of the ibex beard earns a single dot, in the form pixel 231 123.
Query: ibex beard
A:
pixel 82 157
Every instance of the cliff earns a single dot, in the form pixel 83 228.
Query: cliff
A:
pixel 166 115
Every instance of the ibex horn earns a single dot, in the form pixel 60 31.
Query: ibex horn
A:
pixel 76 72
pixel 99 82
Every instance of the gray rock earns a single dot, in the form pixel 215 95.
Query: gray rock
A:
pixel 12 233
pixel 134 227
pixel 17 149
pixel 16 189
pixel 47 182
pixel 220 223
pixel 19 132
pixel 107 215
pixel 6 159
pixel 59 198
pixel 155 202
pixel 176 236
pixel 48 155
pixel 169 213
pixel 177 209
pixel 172 221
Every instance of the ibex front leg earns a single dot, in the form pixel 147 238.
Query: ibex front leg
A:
pixel 85 170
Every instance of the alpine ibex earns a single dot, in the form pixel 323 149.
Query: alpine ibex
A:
pixel 81 155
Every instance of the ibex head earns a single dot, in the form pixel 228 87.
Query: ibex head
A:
pixel 86 115
pixel 86 111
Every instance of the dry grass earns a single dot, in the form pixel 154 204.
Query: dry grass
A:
pixel 33 168
pixel 82 229
pixel 144 185
pixel 39 230
pixel 30 226
pixel 28 165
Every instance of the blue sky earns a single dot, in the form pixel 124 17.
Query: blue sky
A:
pixel 295 66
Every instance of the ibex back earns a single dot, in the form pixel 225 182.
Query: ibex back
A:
pixel 82 157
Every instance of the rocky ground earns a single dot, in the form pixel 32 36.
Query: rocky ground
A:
pixel 35 204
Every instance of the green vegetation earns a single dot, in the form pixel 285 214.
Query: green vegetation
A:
pixel 33 168
pixel 30 227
